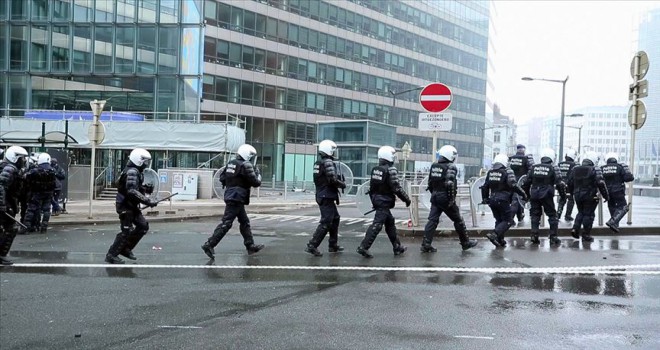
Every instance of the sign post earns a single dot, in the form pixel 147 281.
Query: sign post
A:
pixel 435 98
pixel 96 136
pixel 637 113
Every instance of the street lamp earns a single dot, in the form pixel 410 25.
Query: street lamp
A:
pixel 579 128
pixel 563 101
pixel 406 150
pixel 395 94
pixel 97 109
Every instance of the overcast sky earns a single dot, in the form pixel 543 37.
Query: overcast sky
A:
pixel 592 42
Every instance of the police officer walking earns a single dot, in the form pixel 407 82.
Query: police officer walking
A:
pixel 520 163
pixel 565 167
pixel 130 194
pixel 616 175
pixel 583 182
pixel 497 192
pixel 443 187
pixel 10 167
pixel 41 184
pixel 383 187
pixel 60 176
pixel 539 186
pixel 328 182
pixel 239 175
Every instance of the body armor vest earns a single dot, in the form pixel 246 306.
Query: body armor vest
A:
pixel 542 174
pixel 518 163
pixel 582 176
pixel 612 174
pixel 496 180
pixel 565 167
pixel 234 174
pixel 438 177
pixel 379 181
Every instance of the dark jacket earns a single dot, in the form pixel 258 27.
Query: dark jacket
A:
pixel 384 186
pixel 327 179
pixel 238 177
pixel 500 184
pixel 130 191
pixel 615 175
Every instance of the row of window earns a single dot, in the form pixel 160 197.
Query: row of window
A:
pixel 42 48
pixel 325 11
pixel 250 23
pixel 102 11
pixel 261 95
pixel 256 59
pixel 424 145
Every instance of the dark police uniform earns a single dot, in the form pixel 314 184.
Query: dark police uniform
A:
pixel 443 187
pixel 539 186
pixel 520 164
pixel 383 187
pixel 565 167
pixel 41 184
pixel 130 194
pixel 584 182
pixel 615 175
pixel 238 177
pixel 60 176
pixel 9 196
pixel 328 182
pixel 498 192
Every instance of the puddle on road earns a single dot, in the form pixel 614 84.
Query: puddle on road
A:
pixel 619 286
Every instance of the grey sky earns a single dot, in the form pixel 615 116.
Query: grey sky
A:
pixel 590 41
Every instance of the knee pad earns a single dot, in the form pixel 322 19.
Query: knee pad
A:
pixel 376 227
pixel 142 229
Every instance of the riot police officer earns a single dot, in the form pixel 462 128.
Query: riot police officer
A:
pixel 41 184
pixel 443 187
pixel 565 167
pixel 520 163
pixel 497 192
pixel 239 175
pixel 539 186
pixel 616 175
pixel 130 194
pixel 583 182
pixel 13 162
pixel 60 176
pixel 383 187
pixel 328 182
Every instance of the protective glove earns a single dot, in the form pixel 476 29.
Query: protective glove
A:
pixel 152 202
pixel 408 203
pixel 341 185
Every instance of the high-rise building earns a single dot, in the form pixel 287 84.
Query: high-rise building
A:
pixel 600 129
pixel 280 66
pixel 648 137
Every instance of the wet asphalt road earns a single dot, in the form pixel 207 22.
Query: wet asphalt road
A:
pixel 283 298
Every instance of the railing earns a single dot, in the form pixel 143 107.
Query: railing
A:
pixel 84 114
pixel 103 182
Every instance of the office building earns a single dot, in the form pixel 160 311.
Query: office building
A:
pixel 278 66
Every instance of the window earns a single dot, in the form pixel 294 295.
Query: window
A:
pixel 496 136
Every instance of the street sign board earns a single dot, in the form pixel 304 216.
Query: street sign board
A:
pixel 637 120
pixel 99 137
pixel 435 121
pixel 642 89
pixel 643 65
pixel 435 97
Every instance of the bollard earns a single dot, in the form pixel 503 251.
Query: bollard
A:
pixel 656 181
pixel 473 210
pixel 285 186
pixel 415 205
pixel 273 181
pixel 258 192
pixel 600 210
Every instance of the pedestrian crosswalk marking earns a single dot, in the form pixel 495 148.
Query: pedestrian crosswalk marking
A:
pixel 305 218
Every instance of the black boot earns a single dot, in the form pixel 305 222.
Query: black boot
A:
pixel 492 237
pixel 128 254
pixel 399 249
pixel 311 249
pixel 364 252
pixel 461 229
pixel 427 248
pixel 4 261
pixel 335 249
pixel 554 240
pixel 568 218
pixel 534 238
pixel 43 228
pixel 208 250
pixel 333 240
pixel 254 248
pixel 575 232
pixel 613 225
pixel 118 246
pixel 426 243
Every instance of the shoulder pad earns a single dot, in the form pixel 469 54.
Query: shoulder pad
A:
pixel 392 170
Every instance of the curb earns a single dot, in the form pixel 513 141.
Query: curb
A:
pixel 526 232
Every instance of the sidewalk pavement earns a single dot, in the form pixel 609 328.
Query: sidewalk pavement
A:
pixel 646 219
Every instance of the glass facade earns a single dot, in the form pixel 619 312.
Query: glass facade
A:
pixel 140 55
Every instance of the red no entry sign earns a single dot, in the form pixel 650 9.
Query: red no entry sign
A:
pixel 435 97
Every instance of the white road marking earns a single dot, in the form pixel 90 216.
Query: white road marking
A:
pixel 307 219
pixel 473 337
pixel 652 269
pixel 181 327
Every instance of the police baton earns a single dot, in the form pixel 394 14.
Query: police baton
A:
pixel 369 212
pixel 162 199
pixel 16 221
